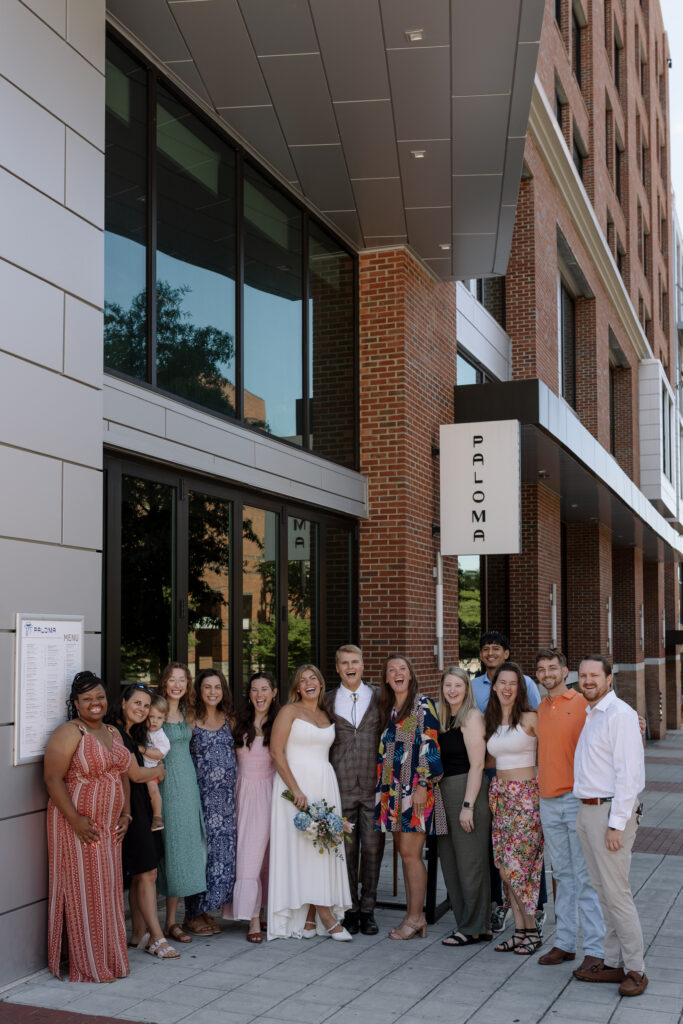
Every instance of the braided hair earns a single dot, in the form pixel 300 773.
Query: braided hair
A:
pixel 82 682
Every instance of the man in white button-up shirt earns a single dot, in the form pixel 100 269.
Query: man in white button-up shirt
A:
pixel 609 773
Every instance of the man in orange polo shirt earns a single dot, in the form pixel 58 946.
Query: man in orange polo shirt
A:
pixel 561 717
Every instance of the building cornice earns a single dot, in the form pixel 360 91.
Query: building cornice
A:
pixel 546 133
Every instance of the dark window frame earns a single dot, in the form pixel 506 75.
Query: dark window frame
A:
pixel 154 77
pixel 183 482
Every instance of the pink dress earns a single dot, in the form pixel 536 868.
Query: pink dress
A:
pixel 255 773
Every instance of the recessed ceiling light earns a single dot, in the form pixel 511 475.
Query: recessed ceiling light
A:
pixel 414 35
pixel 418 154
pixel 445 246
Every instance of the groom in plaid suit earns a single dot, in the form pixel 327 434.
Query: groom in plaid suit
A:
pixel 353 707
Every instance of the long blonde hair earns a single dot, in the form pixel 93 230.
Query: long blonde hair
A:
pixel 467 705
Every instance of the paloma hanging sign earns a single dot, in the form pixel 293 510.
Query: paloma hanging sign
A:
pixel 480 488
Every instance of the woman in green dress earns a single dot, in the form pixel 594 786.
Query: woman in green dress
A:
pixel 182 871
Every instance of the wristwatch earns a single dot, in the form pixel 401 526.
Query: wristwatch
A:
pixel 423 783
pixel 467 804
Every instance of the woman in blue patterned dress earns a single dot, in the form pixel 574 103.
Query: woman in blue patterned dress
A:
pixel 213 753
pixel 182 870
pixel 409 766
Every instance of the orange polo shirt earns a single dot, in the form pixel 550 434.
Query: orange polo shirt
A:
pixel 560 722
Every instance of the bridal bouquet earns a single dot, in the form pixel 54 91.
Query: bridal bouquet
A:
pixel 325 829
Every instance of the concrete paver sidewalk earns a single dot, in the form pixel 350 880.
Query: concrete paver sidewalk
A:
pixel 224 980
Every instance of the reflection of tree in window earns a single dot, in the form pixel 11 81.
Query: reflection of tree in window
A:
pixel 208 582
pixel 259 582
pixel 469 607
pixel 190 359
pixel 146 578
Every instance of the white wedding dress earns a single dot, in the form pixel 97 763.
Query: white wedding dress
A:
pixel 298 873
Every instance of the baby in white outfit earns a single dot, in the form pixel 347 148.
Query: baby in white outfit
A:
pixel 156 748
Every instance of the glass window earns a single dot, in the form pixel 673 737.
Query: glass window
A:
pixel 331 349
pixel 147 578
pixel 466 373
pixel 273 308
pixel 302 599
pixel 576 47
pixel 195 260
pixel 259 591
pixel 469 610
pixel 209 578
pixel 567 346
pixel 125 237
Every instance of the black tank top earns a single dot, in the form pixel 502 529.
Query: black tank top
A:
pixel 453 752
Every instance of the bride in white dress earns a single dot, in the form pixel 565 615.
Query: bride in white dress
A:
pixel 308 892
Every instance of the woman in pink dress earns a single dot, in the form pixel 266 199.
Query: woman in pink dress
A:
pixel 255 772
pixel 88 815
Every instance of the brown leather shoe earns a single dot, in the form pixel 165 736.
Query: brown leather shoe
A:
pixel 599 972
pixel 634 984
pixel 556 956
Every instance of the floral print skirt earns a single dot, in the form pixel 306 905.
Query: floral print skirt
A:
pixel 517 837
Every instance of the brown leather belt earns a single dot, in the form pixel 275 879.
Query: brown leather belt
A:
pixel 596 800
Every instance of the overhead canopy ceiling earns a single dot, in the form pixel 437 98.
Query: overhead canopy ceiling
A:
pixel 403 121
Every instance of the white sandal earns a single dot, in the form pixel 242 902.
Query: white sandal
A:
pixel 342 936
pixel 162 950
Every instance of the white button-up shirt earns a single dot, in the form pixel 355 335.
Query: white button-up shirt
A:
pixel 343 703
pixel 609 758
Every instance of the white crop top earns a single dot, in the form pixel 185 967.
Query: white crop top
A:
pixel 512 748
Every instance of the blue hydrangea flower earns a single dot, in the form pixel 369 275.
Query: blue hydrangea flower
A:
pixel 302 820
pixel 334 822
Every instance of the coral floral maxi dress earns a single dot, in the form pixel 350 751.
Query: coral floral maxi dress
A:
pixel 86 883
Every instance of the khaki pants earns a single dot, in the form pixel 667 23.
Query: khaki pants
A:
pixel 609 876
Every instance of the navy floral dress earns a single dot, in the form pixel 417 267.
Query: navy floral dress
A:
pixel 213 753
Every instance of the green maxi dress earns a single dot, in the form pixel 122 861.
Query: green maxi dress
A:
pixel 182 870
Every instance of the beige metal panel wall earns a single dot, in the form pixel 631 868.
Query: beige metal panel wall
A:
pixel 51 295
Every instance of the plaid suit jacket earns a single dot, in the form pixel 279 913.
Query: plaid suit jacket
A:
pixel 353 754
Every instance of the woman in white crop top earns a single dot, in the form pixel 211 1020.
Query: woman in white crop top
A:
pixel 513 797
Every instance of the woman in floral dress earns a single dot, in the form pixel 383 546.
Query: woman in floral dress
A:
pixel 510 727
pixel 408 801
pixel 213 754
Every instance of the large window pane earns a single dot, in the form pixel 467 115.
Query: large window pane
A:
pixel 302 592
pixel 338 604
pixel 209 576
pixel 272 309
pixel 469 610
pixel 259 592
pixel 125 238
pixel 195 259
pixel 331 349
pixel 147 578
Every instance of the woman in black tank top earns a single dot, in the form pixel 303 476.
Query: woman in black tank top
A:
pixel 464 788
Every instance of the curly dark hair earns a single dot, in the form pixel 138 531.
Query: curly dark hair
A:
pixel 82 682
pixel 244 729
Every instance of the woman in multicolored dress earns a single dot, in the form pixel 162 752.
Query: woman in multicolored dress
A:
pixel 510 727
pixel 409 767
pixel 213 753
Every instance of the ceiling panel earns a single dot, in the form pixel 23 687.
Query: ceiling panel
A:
pixel 484 44
pixel 347 222
pixel 476 201
pixel 527 57
pixel 420 89
pixel 428 229
pixel 473 255
pixel 380 206
pixel 426 181
pixel 354 28
pixel 400 16
pixel 512 172
pixel 506 225
pixel 186 70
pixel 282 27
pixel 259 127
pixel 323 176
pixel 300 95
pixel 476 151
pixel 153 23
pixel 368 138
pixel 531 20
pixel 222 51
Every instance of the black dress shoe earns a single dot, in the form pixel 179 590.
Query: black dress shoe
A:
pixel 351 922
pixel 368 925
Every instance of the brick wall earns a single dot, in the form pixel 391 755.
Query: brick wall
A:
pixel 407 374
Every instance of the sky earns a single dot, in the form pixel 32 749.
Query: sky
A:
pixel 672 12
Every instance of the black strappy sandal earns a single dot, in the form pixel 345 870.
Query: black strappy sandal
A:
pixel 457 938
pixel 530 943
pixel 512 944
